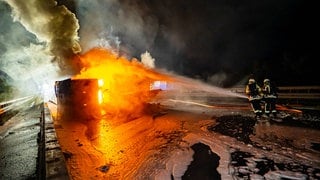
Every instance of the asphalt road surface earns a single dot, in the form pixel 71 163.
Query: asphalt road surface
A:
pixel 177 140
pixel 19 144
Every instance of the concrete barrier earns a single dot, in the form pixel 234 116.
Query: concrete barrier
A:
pixel 52 161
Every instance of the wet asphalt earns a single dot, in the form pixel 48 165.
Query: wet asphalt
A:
pixel 19 145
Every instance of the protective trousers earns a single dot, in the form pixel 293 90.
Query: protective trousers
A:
pixel 256 107
pixel 270 106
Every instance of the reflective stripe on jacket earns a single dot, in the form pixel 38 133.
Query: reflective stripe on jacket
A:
pixel 269 91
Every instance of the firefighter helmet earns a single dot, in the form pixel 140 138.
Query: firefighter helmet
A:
pixel 252 81
pixel 266 81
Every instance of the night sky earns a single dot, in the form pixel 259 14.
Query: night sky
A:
pixel 222 42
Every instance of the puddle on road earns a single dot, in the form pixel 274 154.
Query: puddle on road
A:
pixel 204 164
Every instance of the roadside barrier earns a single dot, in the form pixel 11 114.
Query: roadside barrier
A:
pixel 15 103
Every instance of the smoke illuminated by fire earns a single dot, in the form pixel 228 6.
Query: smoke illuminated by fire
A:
pixel 53 29
pixel 126 83
pixel 53 25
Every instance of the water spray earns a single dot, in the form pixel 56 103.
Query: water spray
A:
pixel 193 103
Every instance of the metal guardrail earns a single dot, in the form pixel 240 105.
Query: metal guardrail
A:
pixel 53 161
pixel 13 101
pixel 9 105
pixel 41 149
pixel 290 92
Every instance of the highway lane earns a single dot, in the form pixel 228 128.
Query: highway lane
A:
pixel 19 138
pixel 19 146
pixel 28 145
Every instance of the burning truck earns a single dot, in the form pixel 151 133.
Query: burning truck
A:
pixel 108 87
pixel 79 98
pixel 83 98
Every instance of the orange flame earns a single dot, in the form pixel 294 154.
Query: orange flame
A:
pixel 124 84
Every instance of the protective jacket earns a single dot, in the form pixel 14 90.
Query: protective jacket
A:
pixel 270 96
pixel 253 91
pixel 269 91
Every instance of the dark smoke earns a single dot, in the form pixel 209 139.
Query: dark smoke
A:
pixel 114 25
pixel 209 39
pixel 52 24
pixel 220 42
pixel 36 42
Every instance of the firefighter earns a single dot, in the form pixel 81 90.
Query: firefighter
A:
pixel 270 96
pixel 254 93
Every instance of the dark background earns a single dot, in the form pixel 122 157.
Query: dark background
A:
pixel 222 42
pixel 266 38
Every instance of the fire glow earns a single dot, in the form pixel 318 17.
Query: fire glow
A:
pixel 121 90
pixel 124 85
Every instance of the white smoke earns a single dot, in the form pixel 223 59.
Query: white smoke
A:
pixel 29 68
pixel 54 26
pixel 53 40
pixel 147 60
pixel 217 79
pixel 37 40
pixel 107 23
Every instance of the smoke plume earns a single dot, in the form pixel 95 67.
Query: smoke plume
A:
pixel 53 25
pixel 220 42
pixel 37 41
pixel 208 38
pixel 116 25
pixel 147 60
